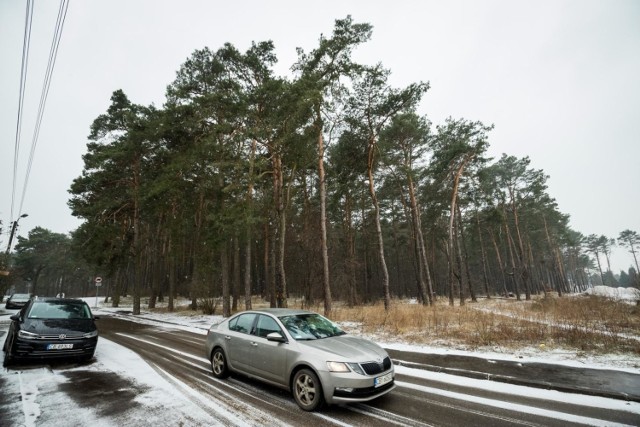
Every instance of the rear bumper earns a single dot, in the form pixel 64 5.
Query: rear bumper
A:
pixel 10 305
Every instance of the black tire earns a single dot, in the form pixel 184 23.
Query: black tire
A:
pixel 8 357
pixel 307 390
pixel 219 364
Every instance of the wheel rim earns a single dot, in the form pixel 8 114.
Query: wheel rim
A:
pixel 218 363
pixel 305 389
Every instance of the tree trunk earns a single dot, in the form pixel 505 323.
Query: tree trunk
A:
pixel 351 251
pixel 236 274
pixel 524 270
pixel 172 275
pixel 224 273
pixel 426 289
pixel 458 255
pixel 269 264
pixel 374 199
pixel 483 255
pixel 248 232
pixel 452 211
pixel 513 260
pixel 280 232
pixel 599 267
pixel 465 257
pixel 326 285
pixel 136 237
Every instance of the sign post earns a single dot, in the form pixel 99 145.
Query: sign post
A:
pixel 98 284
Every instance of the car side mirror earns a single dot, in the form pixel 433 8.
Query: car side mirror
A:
pixel 96 317
pixel 275 336
pixel 15 317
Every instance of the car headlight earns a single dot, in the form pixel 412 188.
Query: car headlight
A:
pixel 91 334
pixel 355 367
pixel 28 335
pixel 338 367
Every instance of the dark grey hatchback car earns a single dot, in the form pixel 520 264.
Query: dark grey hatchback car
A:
pixel 52 328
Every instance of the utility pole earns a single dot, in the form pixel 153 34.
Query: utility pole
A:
pixel 14 226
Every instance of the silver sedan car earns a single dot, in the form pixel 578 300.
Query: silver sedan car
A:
pixel 303 352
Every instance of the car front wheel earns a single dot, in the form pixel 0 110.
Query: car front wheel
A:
pixel 8 357
pixel 307 390
pixel 219 364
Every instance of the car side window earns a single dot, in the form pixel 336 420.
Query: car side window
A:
pixel 267 325
pixel 243 323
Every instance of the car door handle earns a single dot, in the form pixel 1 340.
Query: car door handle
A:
pixel 227 337
pixel 254 344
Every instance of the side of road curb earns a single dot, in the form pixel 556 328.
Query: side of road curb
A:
pixel 518 381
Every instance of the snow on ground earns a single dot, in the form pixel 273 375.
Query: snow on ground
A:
pixel 159 400
pixel 144 398
pixel 631 295
pixel 543 354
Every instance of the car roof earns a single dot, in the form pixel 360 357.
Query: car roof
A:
pixel 52 299
pixel 279 312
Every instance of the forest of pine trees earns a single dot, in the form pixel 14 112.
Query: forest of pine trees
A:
pixel 323 185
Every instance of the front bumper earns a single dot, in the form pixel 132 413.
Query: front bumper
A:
pixel 42 349
pixel 352 387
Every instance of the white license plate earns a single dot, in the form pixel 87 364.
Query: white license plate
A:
pixel 59 346
pixel 377 382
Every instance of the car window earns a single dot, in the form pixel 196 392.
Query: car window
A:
pixel 267 325
pixel 243 323
pixel 50 310
pixel 310 327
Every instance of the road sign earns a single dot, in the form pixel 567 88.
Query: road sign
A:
pixel 98 281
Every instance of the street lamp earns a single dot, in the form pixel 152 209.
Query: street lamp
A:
pixel 14 226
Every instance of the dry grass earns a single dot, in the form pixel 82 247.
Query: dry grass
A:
pixel 577 323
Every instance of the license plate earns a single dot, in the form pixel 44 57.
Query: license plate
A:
pixel 59 346
pixel 377 382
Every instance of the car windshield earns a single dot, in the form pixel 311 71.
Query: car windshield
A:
pixel 310 327
pixel 20 297
pixel 59 310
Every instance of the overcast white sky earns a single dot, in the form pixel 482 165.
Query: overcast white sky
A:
pixel 559 79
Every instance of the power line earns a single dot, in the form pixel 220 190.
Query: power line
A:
pixel 53 53
pixel 23 78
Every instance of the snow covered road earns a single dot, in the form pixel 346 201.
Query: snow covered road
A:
pixel 148 374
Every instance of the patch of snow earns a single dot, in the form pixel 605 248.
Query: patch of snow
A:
pixel 44 403
pixel 619 294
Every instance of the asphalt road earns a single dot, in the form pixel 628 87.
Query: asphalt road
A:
pixel 178 356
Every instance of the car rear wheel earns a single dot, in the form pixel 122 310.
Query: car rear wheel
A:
pixel 307 390
pixel 219 364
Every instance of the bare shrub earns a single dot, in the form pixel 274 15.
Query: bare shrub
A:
pixel 208 305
